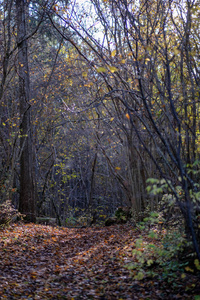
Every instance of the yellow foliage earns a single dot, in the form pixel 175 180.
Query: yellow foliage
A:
pixel 113 53
pixel 101 70
pixel 117 168
pixel 84 74
pixel 113 69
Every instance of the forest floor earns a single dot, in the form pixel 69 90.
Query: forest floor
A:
pixel 44 262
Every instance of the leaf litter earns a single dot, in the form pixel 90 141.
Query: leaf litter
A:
pixel 44 262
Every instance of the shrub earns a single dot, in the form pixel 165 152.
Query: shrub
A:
pixel 8 213
pixel 157 254
pixel 122 216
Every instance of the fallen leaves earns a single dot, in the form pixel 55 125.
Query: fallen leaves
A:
pixel 44 262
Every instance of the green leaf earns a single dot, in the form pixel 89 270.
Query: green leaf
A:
pixel 149 262
pixel 148 188
pixel 152 246
pixel 197 265
pixel 139 276
pixel 152 180
pixel 154 214
pixel 152 235
pixel 131 266
pixel 146 219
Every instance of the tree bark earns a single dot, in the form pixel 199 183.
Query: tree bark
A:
pixel 27 197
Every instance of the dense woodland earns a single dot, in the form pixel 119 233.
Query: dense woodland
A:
pixel 99 108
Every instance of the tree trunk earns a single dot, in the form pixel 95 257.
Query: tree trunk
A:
pixel 27 198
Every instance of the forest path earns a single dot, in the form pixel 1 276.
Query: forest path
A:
pixel 44 262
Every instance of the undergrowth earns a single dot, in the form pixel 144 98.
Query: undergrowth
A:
pixel 159 256
pixel 8 213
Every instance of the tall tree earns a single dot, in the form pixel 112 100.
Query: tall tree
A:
pixel 148 62
pixel 27 195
